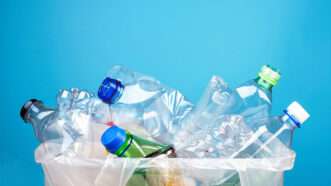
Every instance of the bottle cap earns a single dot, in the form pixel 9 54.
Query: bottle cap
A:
pixel 110 90
pixel 269 74
pixel 297 112
pixel 25 108
pixel 113 138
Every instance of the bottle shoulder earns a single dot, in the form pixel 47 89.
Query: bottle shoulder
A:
pixel 250 91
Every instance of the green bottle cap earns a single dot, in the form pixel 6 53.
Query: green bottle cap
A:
pixel 269 74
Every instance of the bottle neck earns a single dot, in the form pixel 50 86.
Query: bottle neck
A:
pixel 37 112
pixel 289 121
pixel 263 84
pixel 126 146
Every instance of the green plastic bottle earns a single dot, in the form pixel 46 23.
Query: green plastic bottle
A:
pixel 123 144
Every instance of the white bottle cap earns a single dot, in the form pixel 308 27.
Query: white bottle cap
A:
pixel 296 111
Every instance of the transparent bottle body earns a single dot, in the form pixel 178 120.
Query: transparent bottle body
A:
pixel 224 139
pixel 48 125
pixel 234 139
pixel 250 100
pixel 214 102
pixel 86 114
pixel 147 107
pixel 283 128
pixel 273 140
pixel 232 124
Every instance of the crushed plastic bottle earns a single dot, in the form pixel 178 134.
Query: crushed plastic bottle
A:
pixel 142 104
pixel 214 102
pixel 275 137
pixel 89 115
pixel 48 124
pixel 72 121
pixel 234 139
pixel 251 100
pixel 222 140
pixel 72 106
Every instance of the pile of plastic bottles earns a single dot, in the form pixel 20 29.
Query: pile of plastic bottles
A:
pixel 133 115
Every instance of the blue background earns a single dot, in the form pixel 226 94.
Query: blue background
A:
pixel 48 45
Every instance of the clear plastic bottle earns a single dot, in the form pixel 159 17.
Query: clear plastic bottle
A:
pixel 47 124
pixel 277 138
pixel 282 127
pixel 233 139
pixel 251 100
pixel 222 140
pixel 214 102
pixel 142 104
pixel 89 116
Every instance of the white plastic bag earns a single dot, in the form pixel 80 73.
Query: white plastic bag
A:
pixel 99 168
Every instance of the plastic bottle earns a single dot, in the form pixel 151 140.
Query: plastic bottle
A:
pixel 142 104
pixel 222 140
pixel 69 125
pixel 273 138
pixel 46 123
pixel 88 115
pixel 213 103
pixel 253 98
pixel 123 144
pixel 251 101
pixel 282 127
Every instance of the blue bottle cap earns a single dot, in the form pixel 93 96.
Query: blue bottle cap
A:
pixel 113 138
pixel 110 90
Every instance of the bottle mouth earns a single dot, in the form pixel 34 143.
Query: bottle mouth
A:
pixel 269 74
pixel 26 107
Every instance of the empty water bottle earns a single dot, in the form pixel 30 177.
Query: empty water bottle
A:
pixel 214 102
pixel 47 123
pixel 253 98
pixel 234 139
pixel 142 104
pixel 221 140
pixel 275 136
pixel 282 127
pixel 89 115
